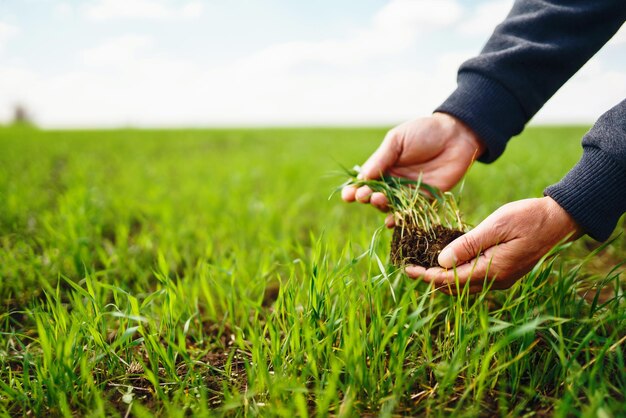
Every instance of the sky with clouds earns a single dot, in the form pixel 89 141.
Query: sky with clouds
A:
pixel 272 62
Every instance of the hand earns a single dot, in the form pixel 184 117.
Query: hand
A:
pixel 440 147
pixel 504 247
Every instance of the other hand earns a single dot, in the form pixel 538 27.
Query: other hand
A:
pixel 502 248
pixel 440 147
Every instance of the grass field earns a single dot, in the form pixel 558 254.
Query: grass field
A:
pixel 206 272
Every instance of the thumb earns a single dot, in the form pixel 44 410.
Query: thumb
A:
pixel 381 160
pixel 467 247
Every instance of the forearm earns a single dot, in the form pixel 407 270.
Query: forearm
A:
pixel 530 55
pixel 594 191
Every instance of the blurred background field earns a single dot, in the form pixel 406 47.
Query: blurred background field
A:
pixel 83 199
pixel 157 270
pixel 206 271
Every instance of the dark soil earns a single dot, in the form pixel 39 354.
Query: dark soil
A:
pixel 413 245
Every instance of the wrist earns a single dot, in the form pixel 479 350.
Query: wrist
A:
pixel 460 130
pixel 568 226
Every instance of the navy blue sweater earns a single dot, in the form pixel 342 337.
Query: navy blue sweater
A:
pixel 529 56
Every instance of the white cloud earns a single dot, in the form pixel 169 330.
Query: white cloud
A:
pixel 143 9
pixel 192 9
pixel 591 92
pixel 414 15
pixel 394 29
pixel 372 75
pixel 118 51
pixel 127 79
pixel 451 61
pixel 7 32
pixel 63 9
pixel 484 18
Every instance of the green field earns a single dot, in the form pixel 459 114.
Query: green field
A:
pixel 206 272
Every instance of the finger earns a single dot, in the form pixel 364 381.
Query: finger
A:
pixel 438 276
pixel 415 272
pixel 390 221
pixel 382 159
pixel 348 193
pixel 473 271
pixel 379 201
pixel 471 244
pixel 447 286
pixel 363 194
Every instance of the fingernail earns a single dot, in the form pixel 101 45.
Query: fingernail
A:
pixel 447 258
pixel 363 198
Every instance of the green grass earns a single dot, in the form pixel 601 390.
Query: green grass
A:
pixel 412 202
pixel 206 272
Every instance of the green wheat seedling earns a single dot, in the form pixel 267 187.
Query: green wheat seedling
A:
pixel 413 202
pixel 157 273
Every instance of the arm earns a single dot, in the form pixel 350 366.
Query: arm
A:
pixel 507 244
pixel 540 45
pixel 529 56
pixel 498 92
pixel 594 191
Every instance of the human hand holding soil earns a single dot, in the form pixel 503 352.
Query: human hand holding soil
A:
pixel 502 248
pixel 440 147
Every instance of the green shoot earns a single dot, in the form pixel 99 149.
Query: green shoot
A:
pixel 413 202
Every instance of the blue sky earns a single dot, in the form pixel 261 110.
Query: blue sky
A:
pixel 275 62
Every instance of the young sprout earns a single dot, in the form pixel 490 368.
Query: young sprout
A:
pixel 413 203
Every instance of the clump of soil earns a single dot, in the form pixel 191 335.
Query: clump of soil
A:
pixel 413 245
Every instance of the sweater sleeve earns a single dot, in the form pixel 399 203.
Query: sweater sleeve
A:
pixel 594 191
pixel 529 56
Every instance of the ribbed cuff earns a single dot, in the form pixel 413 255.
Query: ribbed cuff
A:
pixel 593 192
pixel 489 108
